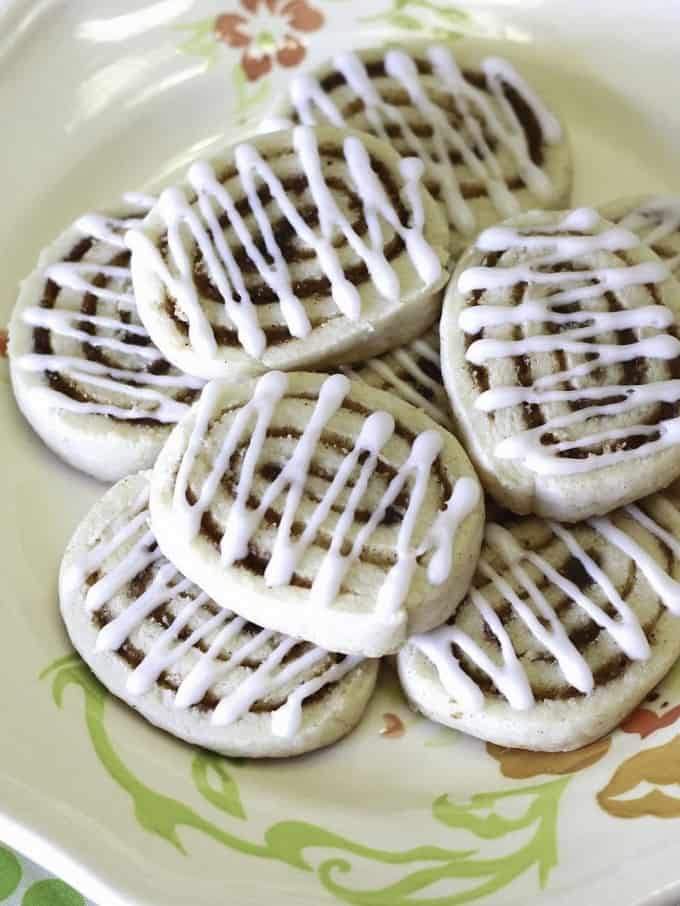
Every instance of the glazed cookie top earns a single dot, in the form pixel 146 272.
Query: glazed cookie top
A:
pixel 490 145
pixel 76 341
pixel 558 610
pixel 560 353
pixel 286 248
pixel 332 510
pixel 169 634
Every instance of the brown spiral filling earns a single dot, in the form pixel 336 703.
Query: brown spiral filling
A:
pixel 584 636
pixel 71 388
pixel 307 289
pixel 398 97
pixel 257 560
pixel 633 372
pixel 163 617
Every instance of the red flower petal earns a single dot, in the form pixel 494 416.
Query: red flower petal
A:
pixel 291 52
pixel 255 65
pixel 393 726
pixel 252 5
pixel 645 722
pixel 228 29
pixel 302 16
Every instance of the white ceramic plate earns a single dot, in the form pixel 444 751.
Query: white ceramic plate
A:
pixel 98 97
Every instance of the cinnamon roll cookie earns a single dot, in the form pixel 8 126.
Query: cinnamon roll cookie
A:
pixel 490 145
pixel 188 666
pixel 655 218
pixel 561 358
pixel 298 249
pixel 413 373
pixel 565 630
pixel 84 371
pixel 327 509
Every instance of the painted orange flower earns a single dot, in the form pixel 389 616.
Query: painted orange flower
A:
pixel 520 764
pixel 658 767
pixel 266 30
pixel 644 721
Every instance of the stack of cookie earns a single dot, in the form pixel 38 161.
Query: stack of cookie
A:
pixel 256 355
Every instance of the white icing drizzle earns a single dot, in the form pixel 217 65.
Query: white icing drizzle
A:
pixel 201 221
pixel 90 562
pixel 120 381
pixel 481 115
pixel 553 637
pixel 654 221
pixel 548 249
pixel 509 677
pixel 667 588
pixel 393 370
pixel 75 275
pixel 143 393
pixel 216 632
pixel 109 230
pixel 60 321
pixel 624 628
pixel 287 552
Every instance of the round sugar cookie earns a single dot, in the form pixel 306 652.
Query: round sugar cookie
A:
pixel 561 358
pixel 192 668
pixel 84 371
pixel 296 250
pixel 329 510
pixel 564 631
pixel 490 144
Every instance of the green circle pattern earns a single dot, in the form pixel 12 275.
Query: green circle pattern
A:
pixel 10 873
pixel 51 892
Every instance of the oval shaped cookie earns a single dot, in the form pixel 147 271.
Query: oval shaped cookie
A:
pixel 84 370
pixel 293 250
pixel 490 145
pixel 564 631
pixel 190 667
pixel 328 510
pixel 655 219
pixel 561 358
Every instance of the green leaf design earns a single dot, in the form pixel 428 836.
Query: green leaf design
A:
pixel 451 17
pixel 238 77
pixel 202 26
pixel 298 843
pixel 200 40
pixel 51 892
pixel 225 795
pixel 401 20
pixel 156 813
pixel 68 660
pixel 491 874
pixel 289 839
pixel 10 873
pixel 541 812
